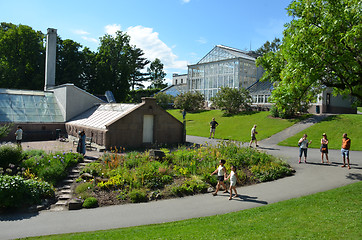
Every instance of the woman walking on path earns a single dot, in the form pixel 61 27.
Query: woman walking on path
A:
pixel 303 147
pixel 346 145
pixel 233 178
pixel 324 147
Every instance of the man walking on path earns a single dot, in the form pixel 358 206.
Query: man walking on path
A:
pixel 253 137
pixel 213 125
pixel 346 145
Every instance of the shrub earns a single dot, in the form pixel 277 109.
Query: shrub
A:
pixel 270 171
pixel 90 202
pixel 190 101
pixel 137 196
pixel 232 100
pixel 190 187
pixel 17 192
pixel 164 100
pixel 94 168
pixel 10 154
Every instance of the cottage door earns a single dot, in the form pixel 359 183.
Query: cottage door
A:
pixel 148 128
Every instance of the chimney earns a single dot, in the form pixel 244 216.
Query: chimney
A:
pixel 51 49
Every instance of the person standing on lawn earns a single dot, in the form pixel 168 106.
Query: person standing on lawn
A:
pixel 213 125
pixel 221 175
pixel 253 137
pixel 303 147
pixel 346 145
pixel 324 147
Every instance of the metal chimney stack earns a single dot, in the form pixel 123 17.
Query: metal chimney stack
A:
pixel 50 58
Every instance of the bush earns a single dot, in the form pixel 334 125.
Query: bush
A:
pixel 17 192
pixel 90 202
pixel 232 100
pixel 137 196
pixel 10 154
pixel 164 100
pixel 190 101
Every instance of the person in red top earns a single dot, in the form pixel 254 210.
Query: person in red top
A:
pixel 346 145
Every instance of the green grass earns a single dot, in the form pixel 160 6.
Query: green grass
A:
pixel 334 214
pixel 236 127
pixel 334 127
pixel 359 109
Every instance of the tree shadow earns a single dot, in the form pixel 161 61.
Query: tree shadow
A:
pixel 244 113
pixel 16 216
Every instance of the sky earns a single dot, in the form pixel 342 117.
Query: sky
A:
pixel 178 32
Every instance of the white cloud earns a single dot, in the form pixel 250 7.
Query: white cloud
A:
pixel 89 39
pixel 185 1
pixel 202 40
pixel 149 41
pixel 112 29
pixel 80 32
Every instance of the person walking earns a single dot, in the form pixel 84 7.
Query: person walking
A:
pixel 183 114
pixel 233 178
pixel 346 145
pixel 81 148
pixel 19 136
pixel 253 137
pixel 303 147
pixel 324 147
pixel 213 125
pixel 221 175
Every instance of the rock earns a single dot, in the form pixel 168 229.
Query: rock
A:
pixel 75 204
pixel 210 189
pixel 157 154
pixel 86 176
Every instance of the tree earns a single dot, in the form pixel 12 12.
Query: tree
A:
pixel 138 63
pixel 70 63
pixel 164 100
pixel 157 74
pixel 113 65
pixel 22 57
pixel 232 100
pixel 190 101
pixel 269 47
pixel 324 42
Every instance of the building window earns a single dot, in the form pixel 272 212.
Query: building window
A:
pixel 328 99
pixel 260 98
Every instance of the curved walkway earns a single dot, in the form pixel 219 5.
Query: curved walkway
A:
pixel 309 178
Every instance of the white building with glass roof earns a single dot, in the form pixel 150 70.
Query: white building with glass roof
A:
pixel 223 67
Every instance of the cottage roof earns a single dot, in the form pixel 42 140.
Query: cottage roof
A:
pixel 102 115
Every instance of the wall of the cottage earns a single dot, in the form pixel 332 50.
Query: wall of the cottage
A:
pixel 36 131
pixel 128 131
pixel 98 135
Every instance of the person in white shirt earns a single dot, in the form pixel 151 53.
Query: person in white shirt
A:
pixel 19 136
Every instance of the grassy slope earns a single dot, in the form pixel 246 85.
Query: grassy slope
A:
pixel 235 127
pixel 334 214
pixel 334 127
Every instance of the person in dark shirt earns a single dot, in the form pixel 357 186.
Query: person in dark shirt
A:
pixel 213 125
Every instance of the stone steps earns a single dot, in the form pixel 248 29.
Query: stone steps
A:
pixel 64 193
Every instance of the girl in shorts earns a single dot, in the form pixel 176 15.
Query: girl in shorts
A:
pixel 221 175
pixel 233 178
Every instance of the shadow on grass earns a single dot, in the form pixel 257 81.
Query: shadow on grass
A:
pixel 244 113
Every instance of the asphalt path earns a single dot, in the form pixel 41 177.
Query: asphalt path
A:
pixel 311 177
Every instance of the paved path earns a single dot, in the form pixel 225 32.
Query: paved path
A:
pixel 309 178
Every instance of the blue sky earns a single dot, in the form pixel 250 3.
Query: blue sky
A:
pixel 179 32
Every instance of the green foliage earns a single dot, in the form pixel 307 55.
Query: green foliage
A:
pixel 270 171
pixel 189 187
pixel 17 192
pixel 93 168
pixel 5 129
pixel 190 101
pixel 90 202
pixel 51 167
pixel 137 196
pixel 164 100
pixel 10 154
pixel 269 47
pixel 135 96
pixel 232 100
pixel 157 75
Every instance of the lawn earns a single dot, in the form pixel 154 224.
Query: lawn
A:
pixel 334 127
pixel 334 214
pixel 236 127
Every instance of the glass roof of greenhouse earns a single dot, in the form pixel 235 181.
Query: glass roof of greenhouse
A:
pixel 29 106
pixel 221 52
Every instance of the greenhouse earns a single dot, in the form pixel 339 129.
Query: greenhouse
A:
pixel 223 67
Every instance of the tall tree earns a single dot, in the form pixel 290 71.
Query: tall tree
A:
pixel 113 68
pixel 325 38
pixel 269 47
pixel 70 60
pixel 138 63
pixel 21 57
pixel 157 74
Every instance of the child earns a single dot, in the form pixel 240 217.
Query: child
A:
pixel 221 175
pixel 233 177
